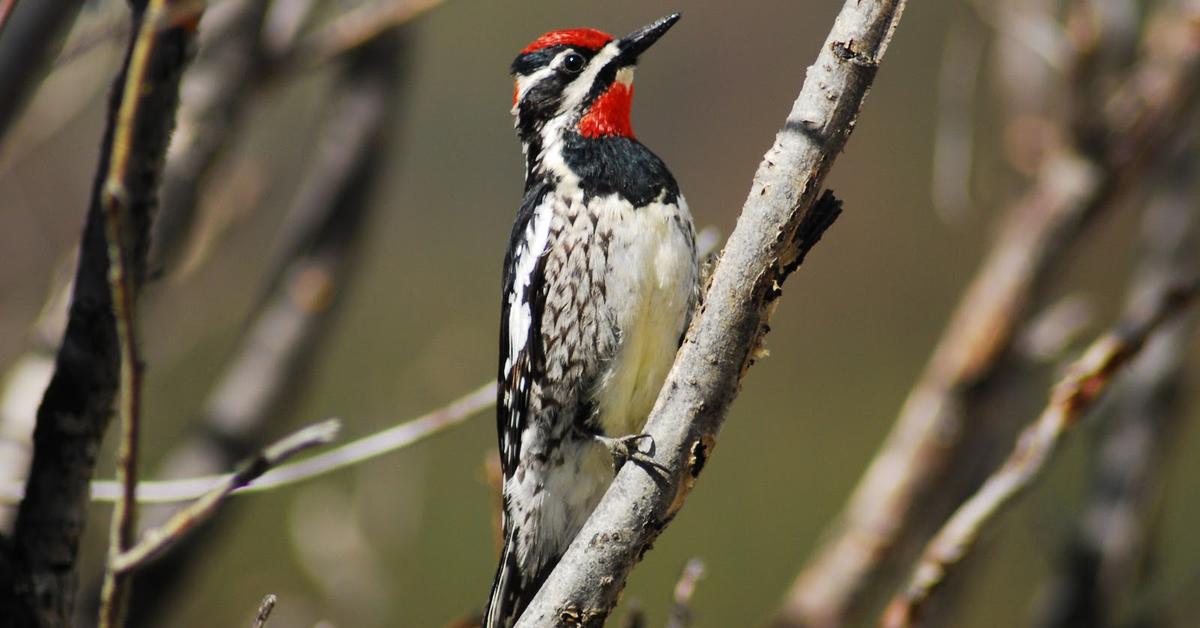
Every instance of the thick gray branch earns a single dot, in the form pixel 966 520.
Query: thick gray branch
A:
pixel 780 221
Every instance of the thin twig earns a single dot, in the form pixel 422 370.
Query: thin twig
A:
pixel 155 541
pixel 348 455
pixel 681 609
pixel 124 518
pixel 117 220
pixel 264 610
pixel 783 217
pixel 1086 380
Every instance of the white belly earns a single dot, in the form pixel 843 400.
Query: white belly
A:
pixel 651 288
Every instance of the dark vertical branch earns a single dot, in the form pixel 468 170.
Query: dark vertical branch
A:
pixel 325 229
pixel 24 383
pixel 78 402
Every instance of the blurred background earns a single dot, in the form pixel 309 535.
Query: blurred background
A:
pixel 408 539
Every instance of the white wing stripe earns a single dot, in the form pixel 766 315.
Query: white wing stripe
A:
pixel 520 315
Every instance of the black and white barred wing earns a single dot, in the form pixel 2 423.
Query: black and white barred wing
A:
pixel 522 361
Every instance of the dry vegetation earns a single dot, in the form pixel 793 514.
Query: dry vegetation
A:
pixel 1099 101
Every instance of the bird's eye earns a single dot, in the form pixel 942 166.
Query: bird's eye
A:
pixel 573 63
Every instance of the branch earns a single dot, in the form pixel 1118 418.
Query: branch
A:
pixel 323 233
pixel 118 220
pixel 938 422
pixel 156 541
pixel 1105 560
pixel 264 610
pixel 6 7
pixel 681 611
pixel 348 455
pixel 236 64
pixel 33 32
pixel 349 31
pixel 214 93
pixel 1086 380
pixel 781 220
pixel 78 401
pixel 24 383
pixel 353 453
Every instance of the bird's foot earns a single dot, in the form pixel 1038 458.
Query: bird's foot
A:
pixel 626 448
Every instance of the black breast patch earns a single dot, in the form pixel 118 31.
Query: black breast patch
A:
pixel 622 165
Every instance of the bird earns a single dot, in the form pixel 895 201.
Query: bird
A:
pixel 599 285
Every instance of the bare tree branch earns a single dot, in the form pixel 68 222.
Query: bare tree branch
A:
pixel 155 541
pixel 681 610
pixel 352 453
pixel 302 294
pixel 935 424
pixel 264 610
pixel 781 220
pixel 212 96
pixel 78 402
pixel 118 223
pixel 1086 380
pixel 24 384
pixel 1103 560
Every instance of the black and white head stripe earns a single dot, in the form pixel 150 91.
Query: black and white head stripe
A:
pixel 560 75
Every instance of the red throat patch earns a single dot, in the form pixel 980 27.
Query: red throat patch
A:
pixel 609 114
pixel 586 38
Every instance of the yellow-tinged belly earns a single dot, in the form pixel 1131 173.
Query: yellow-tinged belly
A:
pixel 658 269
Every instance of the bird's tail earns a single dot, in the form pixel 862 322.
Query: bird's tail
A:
pixel 507 599
pixel 513 588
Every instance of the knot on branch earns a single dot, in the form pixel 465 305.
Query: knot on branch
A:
pixel 574 616
pixel 699 455
pixel 845 51
pixel 812 226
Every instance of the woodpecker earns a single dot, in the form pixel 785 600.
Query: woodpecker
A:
pixel 600 280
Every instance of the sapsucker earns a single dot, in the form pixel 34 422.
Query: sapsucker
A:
pixel 600 281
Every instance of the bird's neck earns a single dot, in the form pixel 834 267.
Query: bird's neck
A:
pixel 605 116
pixel 608 114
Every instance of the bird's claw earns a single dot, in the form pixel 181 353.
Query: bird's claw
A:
pixel 626 448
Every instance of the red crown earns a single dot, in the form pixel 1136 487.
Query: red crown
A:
pixel 588 38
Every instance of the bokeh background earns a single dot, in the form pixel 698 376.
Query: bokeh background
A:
pixel 407 540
